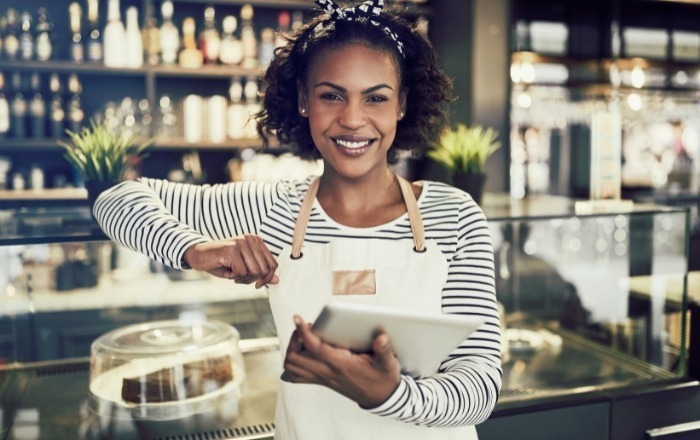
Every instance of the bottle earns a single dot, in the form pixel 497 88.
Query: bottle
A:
pixel 37 108
pixel 297 20
pixel 4 109
pixel 75 13
pixel 114 37
pixel 36 177
pixel 250 43
pixel 267 47
pixel 134 41
pixel 151 38
pixel 26 40
pixel 284 20
pixel 95 49
pixel 44 37
pixel 11 41
pixel 236 116
pixel 168 119
pixel 57 115
pixel 145 119
pixel 190 56
pixel 3 30
pixel 75 108
pixel 169 34
pixel 231 48
pixel 252 106
pixel 209 39
pixel 18 109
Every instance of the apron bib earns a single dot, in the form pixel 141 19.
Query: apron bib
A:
pixel 396 273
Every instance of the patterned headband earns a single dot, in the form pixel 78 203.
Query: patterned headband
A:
pixel 365 12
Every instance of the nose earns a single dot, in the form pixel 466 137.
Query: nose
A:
pixel 352 116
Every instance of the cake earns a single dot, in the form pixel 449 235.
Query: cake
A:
pixel 178 382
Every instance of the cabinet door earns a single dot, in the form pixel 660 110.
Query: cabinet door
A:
pixel 633 416
pixel 582 422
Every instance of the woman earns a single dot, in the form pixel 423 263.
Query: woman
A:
pixel 353 87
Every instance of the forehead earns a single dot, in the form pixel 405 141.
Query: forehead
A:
pixel 354 64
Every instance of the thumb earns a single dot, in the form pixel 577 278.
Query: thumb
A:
pixel 382 348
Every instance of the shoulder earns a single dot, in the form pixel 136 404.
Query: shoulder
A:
pixel 438 193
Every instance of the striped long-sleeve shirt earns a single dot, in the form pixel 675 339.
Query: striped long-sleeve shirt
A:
pixel 162 219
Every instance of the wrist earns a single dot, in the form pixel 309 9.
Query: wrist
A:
pixel 187 261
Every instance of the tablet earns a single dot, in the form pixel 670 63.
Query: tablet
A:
pixel 421 341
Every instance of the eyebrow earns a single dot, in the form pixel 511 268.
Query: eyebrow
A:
pixel 344 90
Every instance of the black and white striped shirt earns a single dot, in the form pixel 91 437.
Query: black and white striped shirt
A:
pixel 162 219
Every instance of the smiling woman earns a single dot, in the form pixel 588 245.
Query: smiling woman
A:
pixel 351 87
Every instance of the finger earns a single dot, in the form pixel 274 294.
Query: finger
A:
pixel 312 342
pixel 298 375
pixel 295 345
pixel 256 247
pixel 271 278
pixel 251 263
pixel 383 353
pixel 233 260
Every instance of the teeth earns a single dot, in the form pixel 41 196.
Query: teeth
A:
pixel 347 144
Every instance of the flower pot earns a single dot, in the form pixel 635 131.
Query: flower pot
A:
pixel 471 183
pixel 95 188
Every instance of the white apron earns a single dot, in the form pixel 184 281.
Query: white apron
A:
pixel 404 279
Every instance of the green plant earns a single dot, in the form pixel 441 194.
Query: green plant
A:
pixel 464 150
pixel 102 153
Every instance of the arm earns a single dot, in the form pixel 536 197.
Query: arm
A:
pixel 465 390
pixel 162 219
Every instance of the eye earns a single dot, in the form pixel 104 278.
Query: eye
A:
pixel 376 99
pixel 329 96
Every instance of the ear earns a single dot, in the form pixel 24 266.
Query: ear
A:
pixel 402 103
pixel 303 107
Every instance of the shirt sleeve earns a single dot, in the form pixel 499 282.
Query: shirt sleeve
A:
pixel 162 219
pixel 465 389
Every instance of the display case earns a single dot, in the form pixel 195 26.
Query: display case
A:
pixel 595 312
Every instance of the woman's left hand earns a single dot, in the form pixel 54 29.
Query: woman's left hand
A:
pixel 367 378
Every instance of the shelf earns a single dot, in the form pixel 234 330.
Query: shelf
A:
pixel 62 66
pixel 30 144
pixel 182 144
pixel 410 7
pixel 605 62
pixel 212 71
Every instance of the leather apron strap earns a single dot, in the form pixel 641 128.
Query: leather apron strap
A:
pixel 409 199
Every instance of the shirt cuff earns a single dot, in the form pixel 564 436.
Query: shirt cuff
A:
pixel 178 260
pixel 395 401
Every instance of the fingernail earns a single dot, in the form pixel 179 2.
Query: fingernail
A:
pixel 383 340
pixel 297 320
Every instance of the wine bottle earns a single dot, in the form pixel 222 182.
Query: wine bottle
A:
pixel 37 108
pixel 284 20
pixel 134 40
pixel 250 42
pixel 18 109
pixel 44 37
pixel 169 34
pixel 231 47
pixel 252 106
pixel 209 39
pixel 190 56
pixel 12 36
pixel 267 47
pixel 75 13
pixel 75 108
pixel 95 49
pixel 26 39
pixel 236 116
pixel 114 37
pixel 151 38
pixel 4 109
pixel 57 114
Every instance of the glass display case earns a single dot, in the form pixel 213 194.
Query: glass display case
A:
pixel 594 309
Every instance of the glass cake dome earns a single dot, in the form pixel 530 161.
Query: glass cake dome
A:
pixel 165 377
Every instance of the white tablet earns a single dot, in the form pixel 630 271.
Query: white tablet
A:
pixel 421 341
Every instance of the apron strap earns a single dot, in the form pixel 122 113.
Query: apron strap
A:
pixel 303 219
pixel 409 199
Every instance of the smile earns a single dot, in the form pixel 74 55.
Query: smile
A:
pixel 353 144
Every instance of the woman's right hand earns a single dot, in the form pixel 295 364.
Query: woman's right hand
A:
pixel 244 259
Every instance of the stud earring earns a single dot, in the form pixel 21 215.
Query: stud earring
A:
pixel 302 111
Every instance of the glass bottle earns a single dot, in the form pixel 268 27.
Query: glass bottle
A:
pixel 231 47
pixel 57 114
pixel 250 42
pixel 4 109
pixel 151 38
pixel 209 39
pixel 236 116
pixel 168 119
pixel 252 106
pixel 44 37
pixel 37 108
pixel 26 39
pixel 190 56
pixel 169 34
pixel 95 49
pixel 267 47
pixel 284 21
pixel 18 109
pixel 297 20
pixel 11 41
pixel 75 13
pixel 114 37
pixel 75 107
pixel 133 56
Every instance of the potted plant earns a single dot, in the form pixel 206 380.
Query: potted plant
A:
pixel 463 151
pixel 102 154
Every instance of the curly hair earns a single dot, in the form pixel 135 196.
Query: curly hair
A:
pixel 428 88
